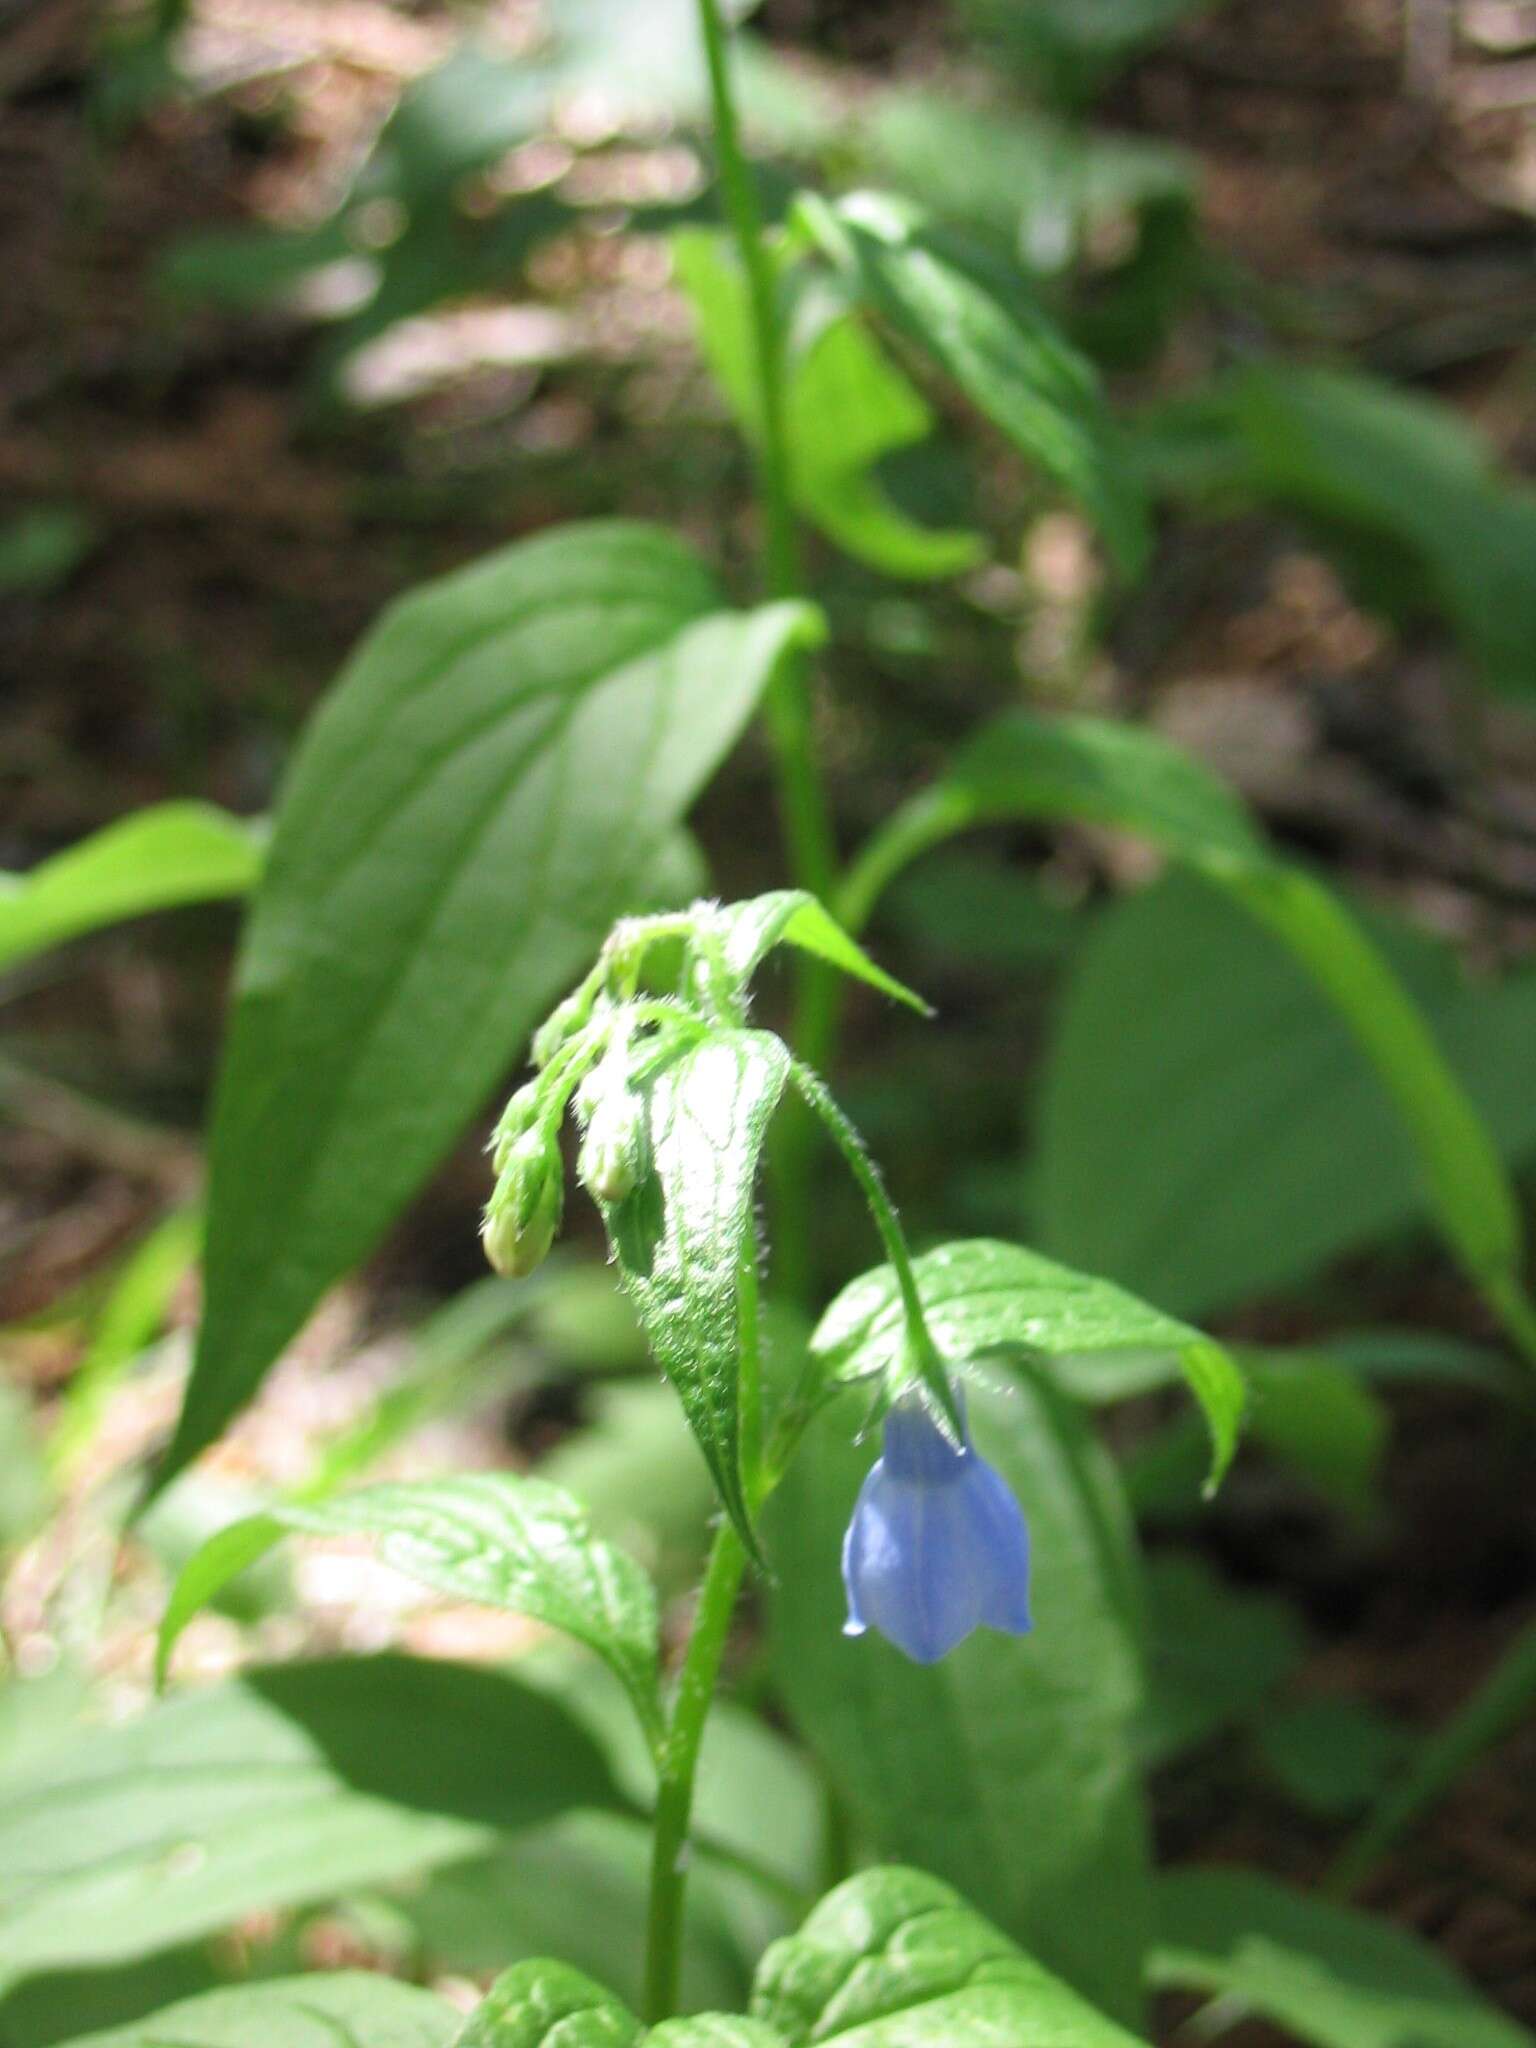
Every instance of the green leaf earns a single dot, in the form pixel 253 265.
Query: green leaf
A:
pixel 490 1537
pixel 129 1318
pixel 476 800
pixel 289 1786
pixel 333 2009
pixel 1216 1654
pixel 1328 1975
pixel 684 1236
pixel 1074 46
pixel 748 933
pixel 1232 1141
pixel 633 1463
pixel 714 2030
pixel 984 1296
pixel 547 2005
pixel 847 407
pixel 896 1959
pixel 976 320
pixel 1009 1768
pixel 156 859
pixel 1125 776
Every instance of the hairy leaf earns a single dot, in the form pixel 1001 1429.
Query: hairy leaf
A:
pixel 476 800
pixel 491 1537
pixel 748 933
pixel 685 1234
pixel 982 1296
pixel 896 1959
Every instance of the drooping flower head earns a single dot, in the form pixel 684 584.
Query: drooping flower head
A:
pixel 936 1545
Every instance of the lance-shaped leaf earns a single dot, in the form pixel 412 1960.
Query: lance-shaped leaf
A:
pixel 154 860
pixel 981 1295
pixel 896 1959
pixel 748 932
pixel 1028 767
pixel 1325 1973
pixel 330 2009
pixel 687 1232
pixel 975 317
pixel 491 1537
pixel 292 1785
pixel 1011 1767
pixel 475 802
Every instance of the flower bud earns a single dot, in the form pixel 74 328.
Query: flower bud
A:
pixel 519 1116
pixel 612 1152
pixel 524 1213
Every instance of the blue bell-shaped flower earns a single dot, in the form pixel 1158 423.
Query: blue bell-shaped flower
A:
pixel 936 1545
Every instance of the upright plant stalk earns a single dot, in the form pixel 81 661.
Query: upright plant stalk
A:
pixel 802 793
pixel 678 1767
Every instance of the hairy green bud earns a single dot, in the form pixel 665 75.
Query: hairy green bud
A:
pixel 613 1150
pixel 524 1212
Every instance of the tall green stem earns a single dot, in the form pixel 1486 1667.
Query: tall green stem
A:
pixel 802 794
pixel 679 1766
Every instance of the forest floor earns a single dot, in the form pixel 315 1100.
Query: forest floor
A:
pixel 1371 166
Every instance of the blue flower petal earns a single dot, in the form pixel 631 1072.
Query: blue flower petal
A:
pixel 936 1545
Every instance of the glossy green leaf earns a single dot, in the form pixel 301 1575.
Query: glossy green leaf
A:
pixel 476 800
pixel 896 1959
pixel 331 2009
pixel 977 321
pixel 289 1786
pixel 1230 1141
pixel 982 1296
pixel 1330 1976
pixel 1009 1768
pixel 543 2004
pixel 683 1237
pixel 715 2030
pixel 155 859
pixel 495 1538
pixel 847 407
pixel 748 932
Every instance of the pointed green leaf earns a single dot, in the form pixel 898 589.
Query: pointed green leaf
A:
pixel 847 408
pixel 548 2005
pixel 684 1235
pixel 1287 1153
pixel 1330 1976
pixel 975 317
pixel 332 2009
pixel 292 1785
pixel 477 799
pixel 1125 776
pixel 155 859
pixel 1010 1768
pixel 981 1296
pixel 793 917
pixel 491 1537
pixel 896 1959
